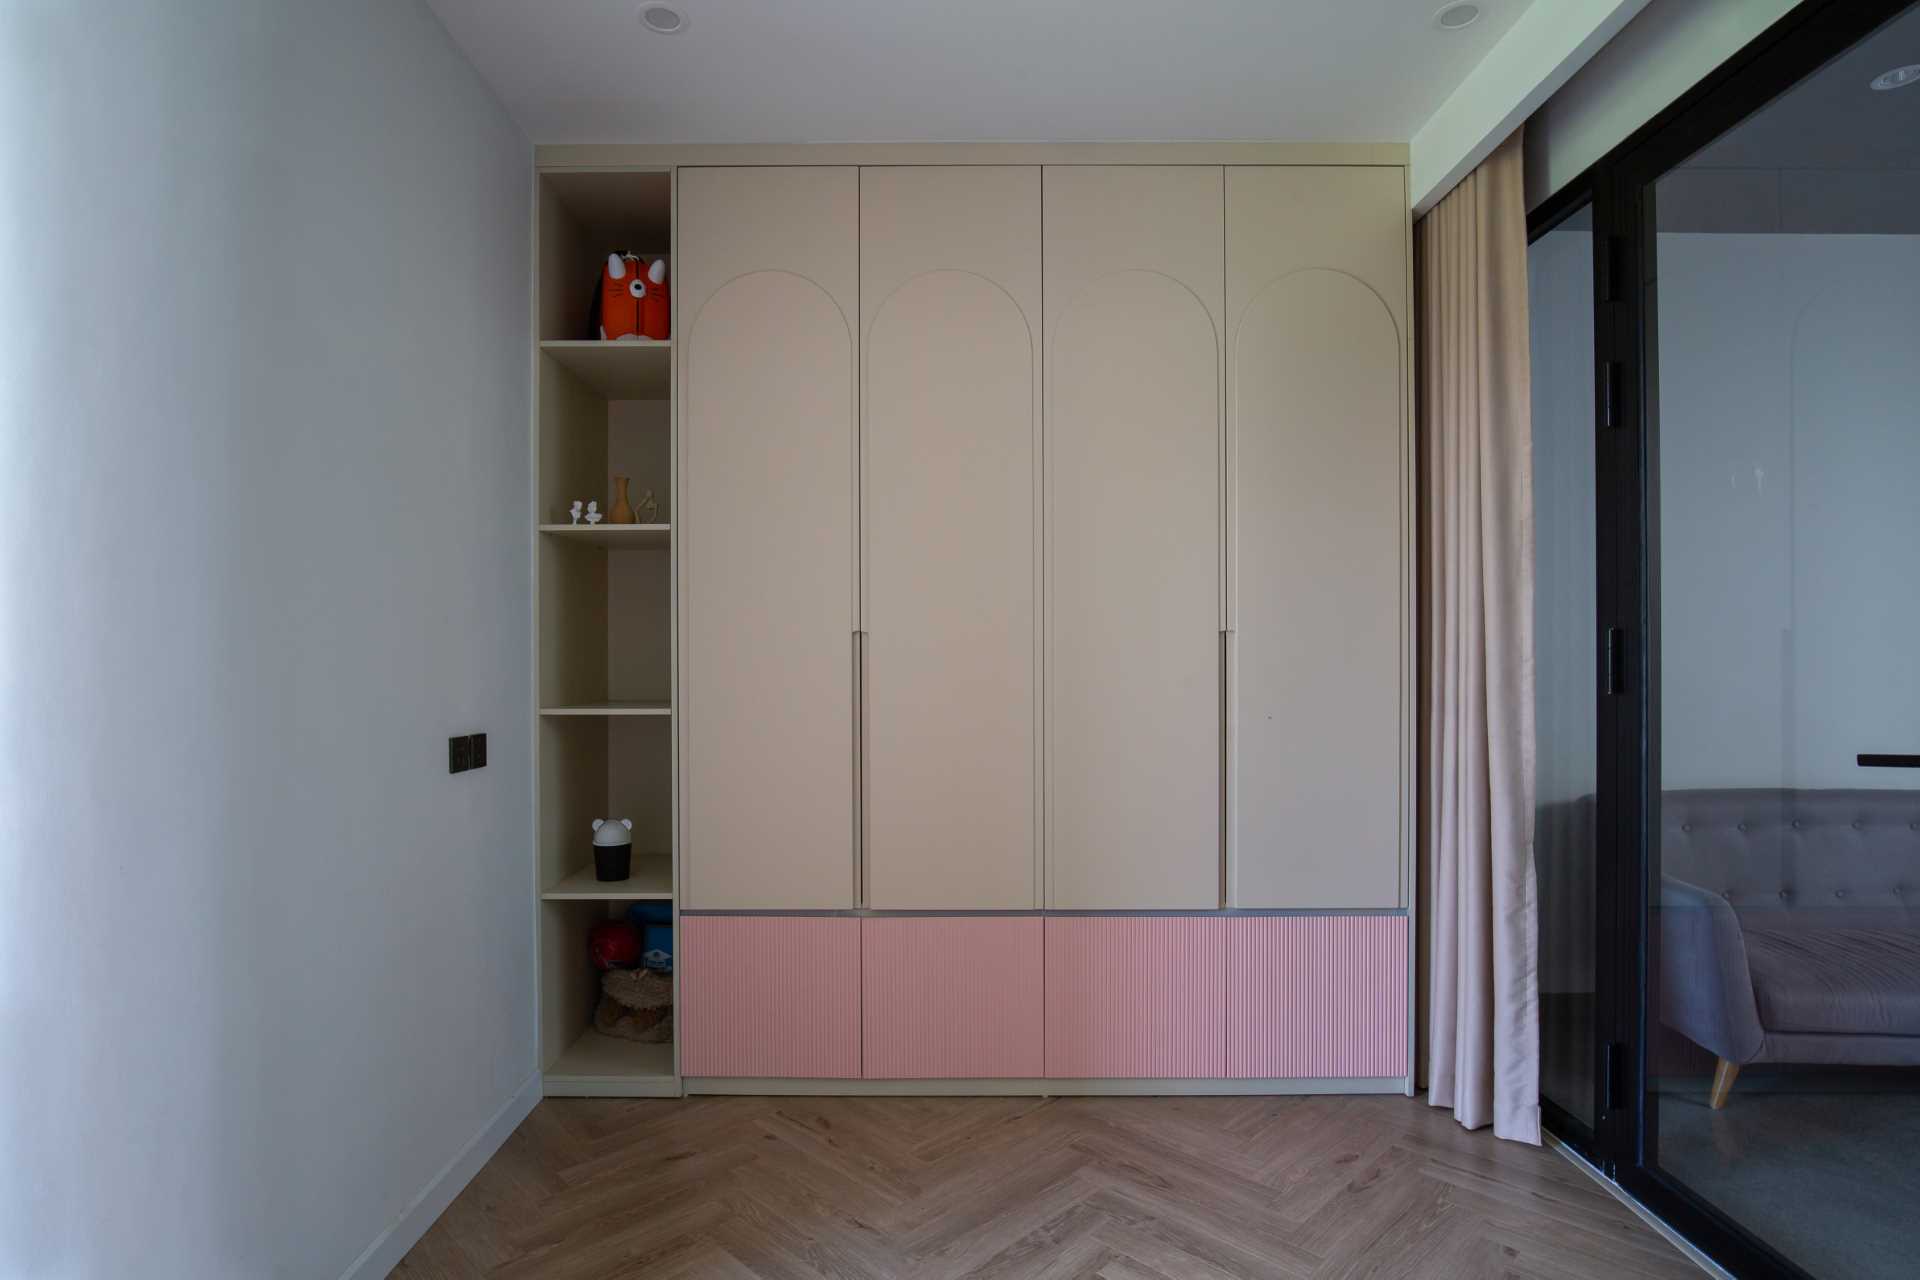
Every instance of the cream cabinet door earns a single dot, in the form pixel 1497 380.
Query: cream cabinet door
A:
pixel 1133 536
pixel 950 313
pixel 767 292
pixel 1318 564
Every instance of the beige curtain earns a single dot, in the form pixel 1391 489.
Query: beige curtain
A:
pixel 1476 654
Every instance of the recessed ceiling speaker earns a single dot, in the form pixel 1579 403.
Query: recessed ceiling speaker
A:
pixel 1898 78
pixel 663 18
pixel 1456 16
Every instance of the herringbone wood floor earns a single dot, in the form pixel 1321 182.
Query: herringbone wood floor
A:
pixel 1121 1188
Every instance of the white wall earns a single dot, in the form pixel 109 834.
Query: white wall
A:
pixel 1789 465
pixel 1658 56
pixel 265 967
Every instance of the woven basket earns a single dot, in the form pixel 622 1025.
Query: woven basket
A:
pixel 636 1004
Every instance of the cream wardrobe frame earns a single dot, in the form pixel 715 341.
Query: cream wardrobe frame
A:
pixel 560 163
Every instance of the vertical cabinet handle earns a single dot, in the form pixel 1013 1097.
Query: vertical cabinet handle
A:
pixel 1226 768
pixel 860 769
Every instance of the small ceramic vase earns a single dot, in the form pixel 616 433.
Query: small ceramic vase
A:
pixel 622 512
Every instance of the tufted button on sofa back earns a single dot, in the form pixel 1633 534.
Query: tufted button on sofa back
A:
pixel 1813 858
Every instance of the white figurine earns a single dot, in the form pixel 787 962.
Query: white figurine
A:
pixel 593 512
pixel 649 508
pixel 575 510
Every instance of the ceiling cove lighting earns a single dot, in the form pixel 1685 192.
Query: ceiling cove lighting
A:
pixel 663 18
pixel 1898 78
pixel 1456 16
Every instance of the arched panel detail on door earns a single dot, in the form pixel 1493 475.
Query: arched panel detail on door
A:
pixel 767 595
pixel 950 746
pixel 1319 557
pixel 1133 487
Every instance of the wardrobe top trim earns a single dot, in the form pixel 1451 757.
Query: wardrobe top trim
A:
pixel 556 156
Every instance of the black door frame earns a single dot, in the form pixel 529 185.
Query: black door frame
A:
pixel 1620 190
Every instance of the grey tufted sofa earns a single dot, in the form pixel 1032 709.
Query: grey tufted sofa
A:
pixel 1789 926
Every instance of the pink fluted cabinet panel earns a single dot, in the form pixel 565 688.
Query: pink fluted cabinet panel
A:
pixel 953 997
pixel 769 996
pixel 1316 996
pixel 1136 996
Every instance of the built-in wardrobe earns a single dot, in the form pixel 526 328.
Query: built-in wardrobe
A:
pixel 1040 602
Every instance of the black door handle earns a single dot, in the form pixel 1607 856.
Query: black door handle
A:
pixel 1868 760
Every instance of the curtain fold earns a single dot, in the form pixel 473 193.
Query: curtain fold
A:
pixel 1476 653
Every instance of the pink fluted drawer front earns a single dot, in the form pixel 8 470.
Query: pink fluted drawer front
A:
pixel 953 997
pixel 1136 996
pixel 1316 996
pixel 769 996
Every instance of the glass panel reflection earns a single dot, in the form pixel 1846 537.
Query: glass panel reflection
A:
pixel 1560 305
pixel 1784 1049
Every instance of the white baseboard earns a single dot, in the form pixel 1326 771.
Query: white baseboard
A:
pixel 384 1254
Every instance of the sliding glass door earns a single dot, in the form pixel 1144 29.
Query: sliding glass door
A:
pixel 1731 841
pixel 1782 1055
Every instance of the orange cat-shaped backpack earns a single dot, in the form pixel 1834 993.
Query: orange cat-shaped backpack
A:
pixel 633 301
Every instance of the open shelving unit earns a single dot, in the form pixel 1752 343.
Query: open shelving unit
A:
pixel 604 626
pixel 651 881
pixel 620 537
pixel 630 708
pixel 602 1066
pixel 629 369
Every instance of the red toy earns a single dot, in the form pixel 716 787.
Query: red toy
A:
pixel 616 308
pixel 656 308
pixel 632 301
pixel 614 944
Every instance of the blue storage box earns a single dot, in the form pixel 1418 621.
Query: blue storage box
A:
pixel 654 920
pixel 642 914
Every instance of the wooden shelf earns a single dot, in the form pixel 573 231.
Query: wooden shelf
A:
pixel 652 879
pixel 615 537
pixel 599 1065
pixel 635 369
pixel 611 709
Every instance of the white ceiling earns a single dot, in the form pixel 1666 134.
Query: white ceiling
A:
pixel 972 70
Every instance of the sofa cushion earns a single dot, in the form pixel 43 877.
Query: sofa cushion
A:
pixel 1849 980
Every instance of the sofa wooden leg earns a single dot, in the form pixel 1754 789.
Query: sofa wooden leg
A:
pixel 1723 1077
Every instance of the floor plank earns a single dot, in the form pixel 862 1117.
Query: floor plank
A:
pixel 945 1188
